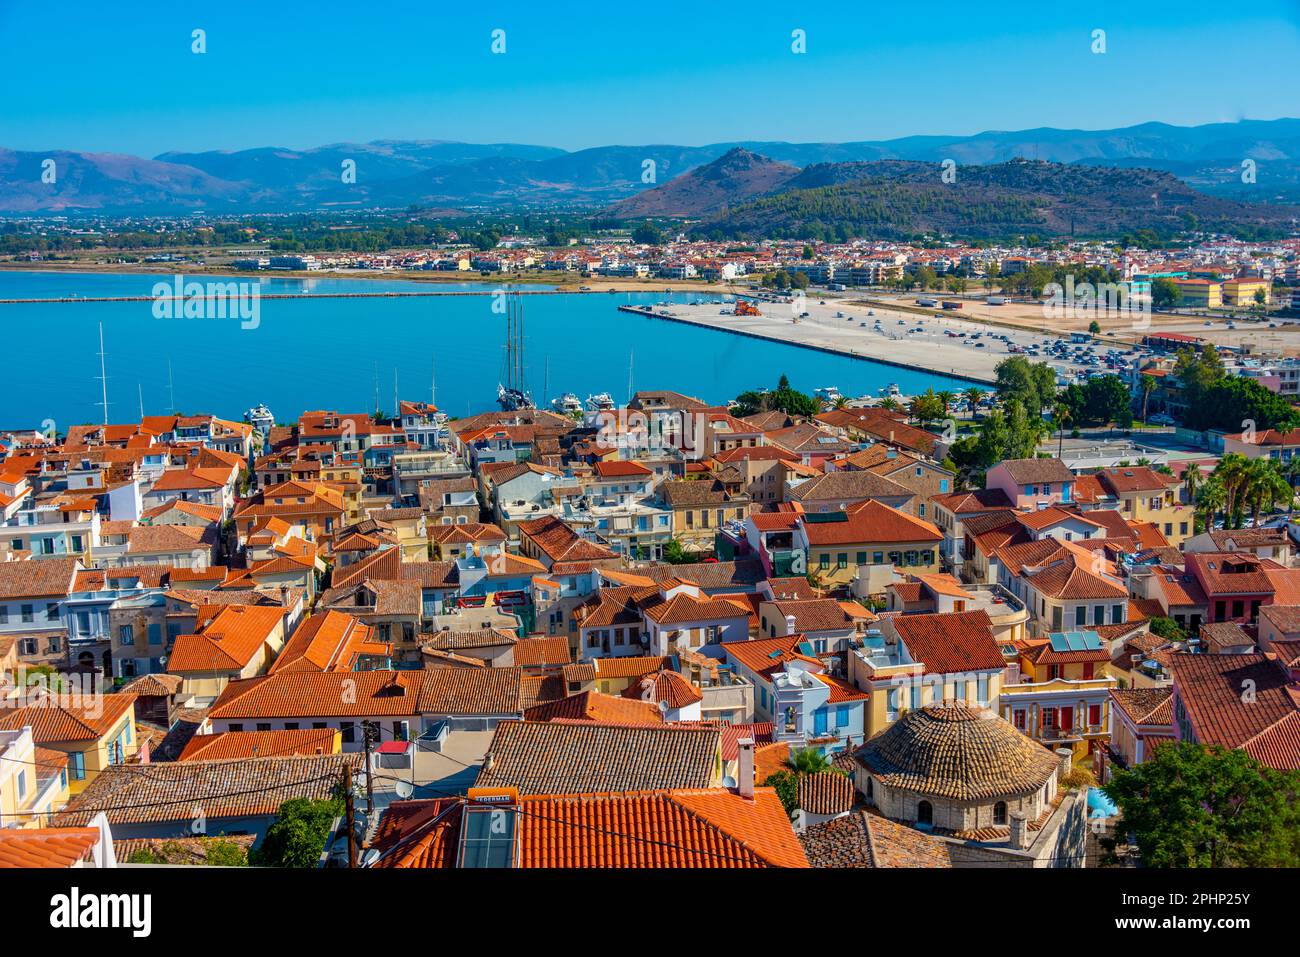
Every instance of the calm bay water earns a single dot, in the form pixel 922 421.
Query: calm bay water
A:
pixel 335 353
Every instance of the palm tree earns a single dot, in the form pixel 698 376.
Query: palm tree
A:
pixel 1146 385
pixel 973 396
pixel 1266 488
pixel 808 761
pixel 1210 499
pixel 1191 478
pixel 947 398
pixel 1060 415
pixel 841 402
pixel 890 403
pixel 1232 473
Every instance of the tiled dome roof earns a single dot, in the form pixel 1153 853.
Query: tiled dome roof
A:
pixel 956 752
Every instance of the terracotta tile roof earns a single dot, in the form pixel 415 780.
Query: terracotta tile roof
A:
pixel 872 522
pixel 845 487
pixel 597 708
pixel 229 637
pixel 1285 618
pixel 683 609
pixel 760 733
pixel 866 839
pixel 551 758
pixel 159 685
pixel 265 744
pixel 177 791
pixel 1131 479
pixel 1036 471
pixel 979 500
pixel 460 640
pixel 559 542
pixel 1146 705
pixel 664 687
pixel 826 792
pixel 329 641
pixel 1210 688
pixel 633 666
pixel 815 614
pixel 665 828
pixel 37 578
pixel 542 652
pixel 58 718
pixel 46 846
pixel 710 576
pixel 1230 573
pixel 951 643
pixel 959 753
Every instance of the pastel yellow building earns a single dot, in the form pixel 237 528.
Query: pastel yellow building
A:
pixel 92 730
pixel 1241 292
pixel 1200 293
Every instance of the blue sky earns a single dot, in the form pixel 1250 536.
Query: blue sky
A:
pixel 121 78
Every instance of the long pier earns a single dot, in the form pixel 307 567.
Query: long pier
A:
pixel 320 295
pixel 649 313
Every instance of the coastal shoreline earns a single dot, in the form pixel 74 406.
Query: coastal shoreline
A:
pixel 699 323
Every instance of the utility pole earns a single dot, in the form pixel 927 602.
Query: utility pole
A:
pixel 351 819
pixel 369 732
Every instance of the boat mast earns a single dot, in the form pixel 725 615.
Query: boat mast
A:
pixel 103 374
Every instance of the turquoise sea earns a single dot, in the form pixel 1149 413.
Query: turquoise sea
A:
pixel 337 353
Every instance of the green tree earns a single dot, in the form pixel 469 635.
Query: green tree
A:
pixel 1146 385
pixel 1193 806
pixel 297 836
pixel 1165 294
pixel 675 553
pixel 784 398
pixel 646 234
pixel 808 761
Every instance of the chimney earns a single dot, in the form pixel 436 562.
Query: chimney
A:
pixel 1019 831
pixel 745 768
pixel 789 624
pixel 1066 756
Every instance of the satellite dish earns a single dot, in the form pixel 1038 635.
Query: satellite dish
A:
pixel 729 782
pixel 663 707
pixel 404 789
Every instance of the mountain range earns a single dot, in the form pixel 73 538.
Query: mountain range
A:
pixel 450 176
pixel 745 196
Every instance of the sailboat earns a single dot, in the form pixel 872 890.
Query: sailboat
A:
pixel 511 393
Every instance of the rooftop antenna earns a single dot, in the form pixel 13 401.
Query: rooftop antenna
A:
pixel 103 374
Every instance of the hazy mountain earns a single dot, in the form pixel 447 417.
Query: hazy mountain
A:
pixel 894 198
pixel 398 173
pixel 106 182
pixel 732 178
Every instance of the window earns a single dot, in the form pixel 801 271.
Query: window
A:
pixel 877 558
pixel 28 613
pixel 22 784
pixel 77 764
pixel 824 560
pixel 52 611
pixel 1020 719
pixel 348 732
pixel 4 614
pixel 237 727
pixel 291 726
pixel 1099 615
pixel 842 560
pixel 842 716
pixel 861 558
pixel 126 634
pixel 1081 615
pixel 1094 715
pixel 1000 813
pixel 924 813
pixel 1116 614
pixel 154 631
pixel 263 726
